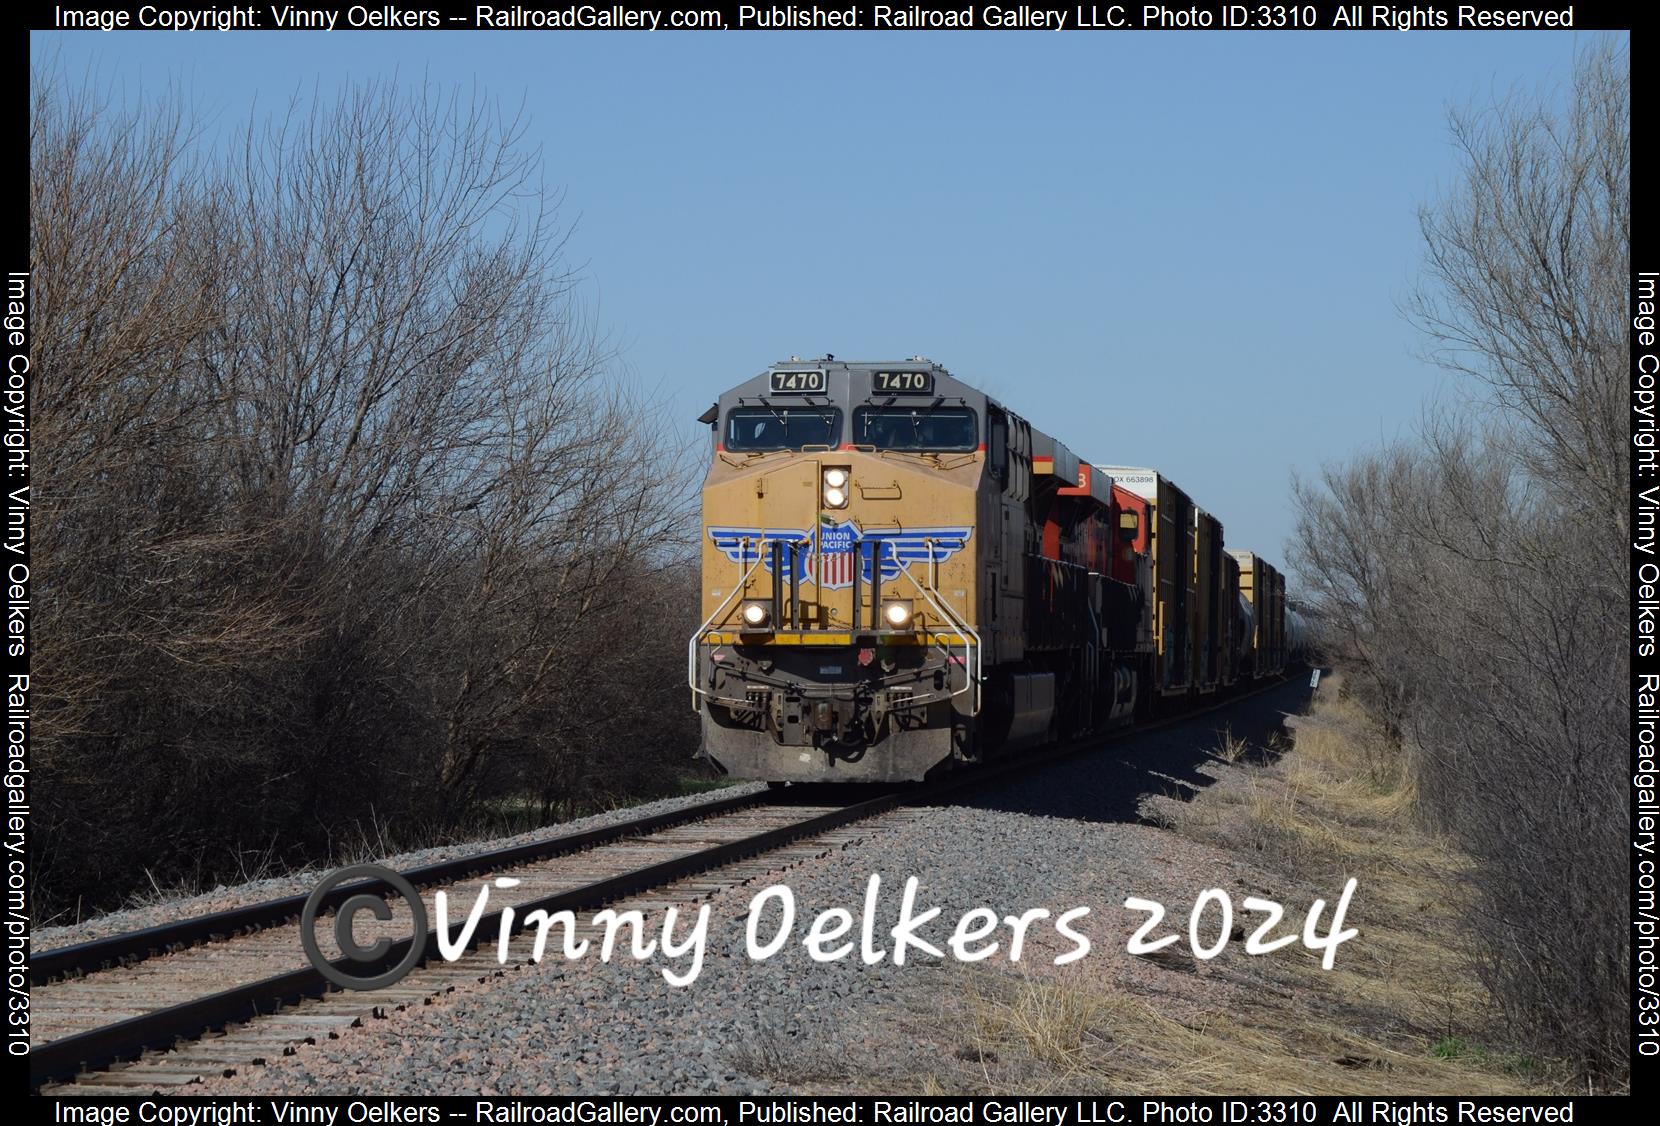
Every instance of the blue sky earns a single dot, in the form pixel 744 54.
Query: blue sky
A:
pixel 1184 250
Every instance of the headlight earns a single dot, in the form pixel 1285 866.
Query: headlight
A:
pixel 755 614
pixel 896 614
pixel 835 487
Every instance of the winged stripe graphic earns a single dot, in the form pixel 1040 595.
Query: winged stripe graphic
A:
pixel 741 545
pixel 913 545
pixel 841 545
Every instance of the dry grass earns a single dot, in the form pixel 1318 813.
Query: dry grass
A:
pixel 1399 1014
pixel 1075 1037
pixel 1053 1023
pixel 1230 748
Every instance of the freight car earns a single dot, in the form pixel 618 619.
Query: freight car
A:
pixel 900 574
pixel 1263 588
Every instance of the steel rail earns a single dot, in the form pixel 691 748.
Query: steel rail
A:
pixel 94 954
pixel 67 1056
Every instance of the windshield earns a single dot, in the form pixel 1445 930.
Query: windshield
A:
pixel 915 428
pixel 782 428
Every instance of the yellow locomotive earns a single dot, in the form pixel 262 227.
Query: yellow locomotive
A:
pixel 900 573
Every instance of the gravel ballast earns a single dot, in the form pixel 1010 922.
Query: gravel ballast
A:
pixel 792 1023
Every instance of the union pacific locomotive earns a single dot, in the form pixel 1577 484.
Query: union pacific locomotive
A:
pixel 901 574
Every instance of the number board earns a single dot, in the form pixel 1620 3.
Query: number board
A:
pixel 799 383
pixel 904 382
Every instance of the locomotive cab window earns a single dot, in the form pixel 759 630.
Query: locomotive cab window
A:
pixel 934 429
pixel 997 447
pixel 782 428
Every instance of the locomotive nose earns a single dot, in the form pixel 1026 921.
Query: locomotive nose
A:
pixel 842 555
pixel 807 513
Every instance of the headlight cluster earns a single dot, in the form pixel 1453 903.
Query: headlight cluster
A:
pixel 897 614
pixel 755 615
pixel 835 488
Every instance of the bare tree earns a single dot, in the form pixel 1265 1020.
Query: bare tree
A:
pixel 1528 259
pixel 120 295
pixel 349 520
pixel 1475 578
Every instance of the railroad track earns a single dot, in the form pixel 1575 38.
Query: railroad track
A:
pixel 113 999
pixel 160 1008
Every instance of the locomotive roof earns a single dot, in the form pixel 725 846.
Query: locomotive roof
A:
pixel 847 381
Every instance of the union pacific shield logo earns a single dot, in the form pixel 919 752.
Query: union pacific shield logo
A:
pixel 838 554
pixel 839 549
